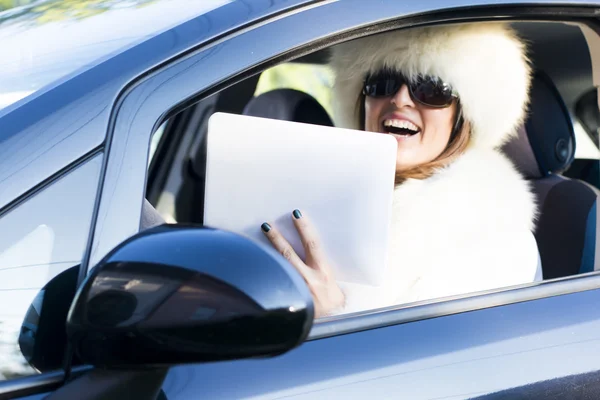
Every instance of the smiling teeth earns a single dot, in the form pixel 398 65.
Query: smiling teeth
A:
pixel 401 124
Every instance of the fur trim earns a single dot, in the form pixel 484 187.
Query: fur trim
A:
pixel 468 228
pixel 485 63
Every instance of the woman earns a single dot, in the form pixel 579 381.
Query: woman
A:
pixel 462 215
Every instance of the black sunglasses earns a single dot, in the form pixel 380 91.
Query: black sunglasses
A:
pixel 427 90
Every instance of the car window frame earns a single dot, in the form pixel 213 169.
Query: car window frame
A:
pixel 150 100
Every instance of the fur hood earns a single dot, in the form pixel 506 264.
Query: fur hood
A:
pixel 466 229
pixel 484 62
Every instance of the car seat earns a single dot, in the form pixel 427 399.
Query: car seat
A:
pixel 566 227
pixel 288 105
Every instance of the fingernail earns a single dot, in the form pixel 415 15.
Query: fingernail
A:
pixel 265 227
pixel 297 214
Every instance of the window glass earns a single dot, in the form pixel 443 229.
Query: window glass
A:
pixel 313 79
pixel 586 121
pixel 586 148
pixel 155 141
pixel 586 116
pixel 39 239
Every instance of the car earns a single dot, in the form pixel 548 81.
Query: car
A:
pixel 103 123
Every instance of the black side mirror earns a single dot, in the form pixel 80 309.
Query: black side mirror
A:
pixel 180 294
pixel 43 337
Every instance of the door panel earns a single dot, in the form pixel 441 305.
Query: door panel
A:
pixel 453 357
pixel 35 397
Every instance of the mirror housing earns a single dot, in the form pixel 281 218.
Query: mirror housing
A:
pixel 43 337
pixel 179 294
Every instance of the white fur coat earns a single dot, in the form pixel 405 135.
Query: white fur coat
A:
pixel 466 229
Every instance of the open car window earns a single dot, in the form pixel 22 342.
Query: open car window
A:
pixel 177 175
pixel 313 79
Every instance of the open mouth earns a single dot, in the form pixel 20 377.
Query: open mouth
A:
pixel 400 127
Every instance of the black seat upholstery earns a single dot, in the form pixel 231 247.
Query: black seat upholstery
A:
pixel 567 223
pixel 288 105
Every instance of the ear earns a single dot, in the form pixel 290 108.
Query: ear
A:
pixel 361 111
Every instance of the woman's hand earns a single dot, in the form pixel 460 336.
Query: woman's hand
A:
pixel 316 271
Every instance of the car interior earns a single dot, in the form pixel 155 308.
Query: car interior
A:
pixel 556 149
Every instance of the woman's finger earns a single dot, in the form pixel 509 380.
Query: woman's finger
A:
pixel 285 249
pixel 310 239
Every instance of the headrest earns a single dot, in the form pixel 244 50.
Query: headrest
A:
pixel 546 142
pixel 288 105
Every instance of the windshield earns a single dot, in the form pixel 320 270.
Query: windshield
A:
pixel 43 41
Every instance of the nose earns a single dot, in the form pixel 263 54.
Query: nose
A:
pixel 402 98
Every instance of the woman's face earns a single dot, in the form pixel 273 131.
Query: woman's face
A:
pixel 401 117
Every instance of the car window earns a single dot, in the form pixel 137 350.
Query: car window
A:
pixel 155 141
pixel 586 162
pixel 586 148
pixel 587 123
pixel 314 79
pixel 39 239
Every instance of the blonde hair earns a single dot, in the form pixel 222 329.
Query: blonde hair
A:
pixel 457 145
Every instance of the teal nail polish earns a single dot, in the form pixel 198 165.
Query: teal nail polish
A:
pixel 297 214
pixel 265 227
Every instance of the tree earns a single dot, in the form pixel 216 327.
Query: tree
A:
pixel 39 11
pixel 8 4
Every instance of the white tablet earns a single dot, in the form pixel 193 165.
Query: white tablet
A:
pixel 262 169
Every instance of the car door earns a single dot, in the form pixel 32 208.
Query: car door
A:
pixel 536 340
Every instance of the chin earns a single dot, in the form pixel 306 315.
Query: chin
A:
pixel 406 160
pixel 405 167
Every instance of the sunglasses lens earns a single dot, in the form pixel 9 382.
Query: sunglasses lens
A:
pixel 432 92
pixel 382 86
pixel 426 90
